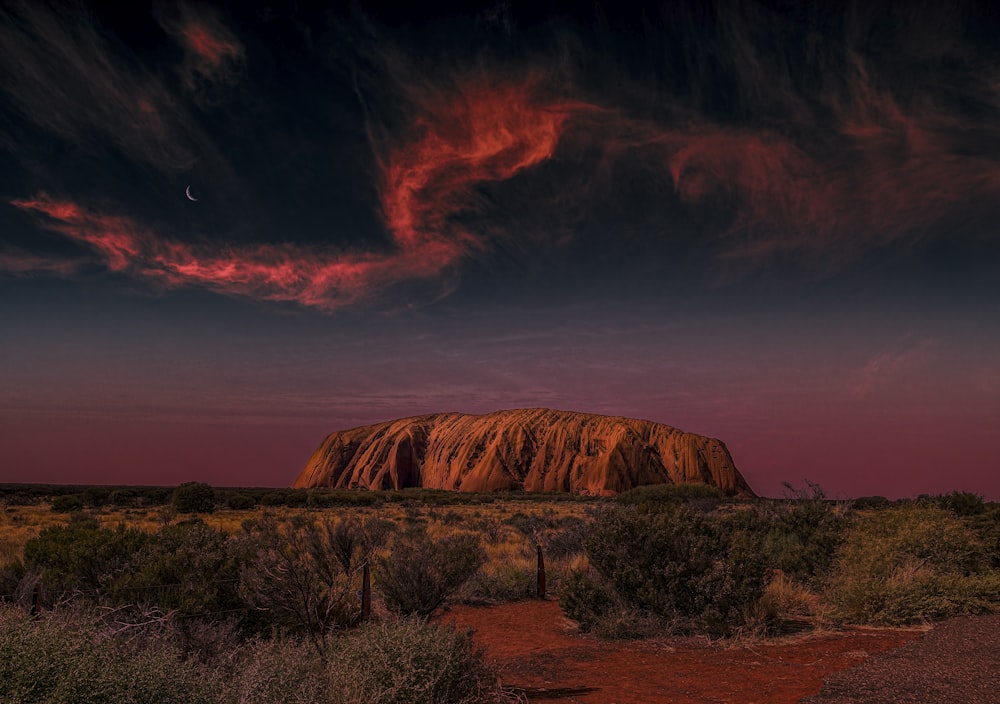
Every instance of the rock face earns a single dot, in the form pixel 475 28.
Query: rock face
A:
pixel 531 449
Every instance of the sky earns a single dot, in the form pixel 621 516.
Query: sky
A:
pixel 227 230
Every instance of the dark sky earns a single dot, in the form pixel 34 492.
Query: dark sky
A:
pixel 773 223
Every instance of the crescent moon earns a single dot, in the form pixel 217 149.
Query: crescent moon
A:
pixel 187 192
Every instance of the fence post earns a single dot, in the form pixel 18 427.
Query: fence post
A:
pixel 366 593
pixel 35 600
pixel 541 571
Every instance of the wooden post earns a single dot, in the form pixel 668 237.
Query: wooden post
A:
pixel 35 599
pixel 366 593
pixel 541 571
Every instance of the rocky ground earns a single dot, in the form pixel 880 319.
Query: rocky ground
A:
pixel 958 662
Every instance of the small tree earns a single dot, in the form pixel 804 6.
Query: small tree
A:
pixel 194 497
pixel 420 573
pixel 305 575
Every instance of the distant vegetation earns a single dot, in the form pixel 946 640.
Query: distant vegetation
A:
pixel 205 594
pixel 66 498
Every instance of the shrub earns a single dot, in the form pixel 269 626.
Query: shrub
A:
pixel 565 542
pixel 241 502
pixel 910 564
pixel 73 558
pixel 410 662
pixel 194 497
pixel 96 496
pixel 305 574
pixel 273 498
pixel 587 600
pixel 962 503
pixel 296 498
pixel 122 498
pixel 54 660
pixel 67 503
pixel 318 498
pixel 799 537
pixel 420 573
pixel 530 526
pixel 155 495
pixel 279 670
pixel 692 572
pixel 188 568
pixel 870 503
pixel 704 497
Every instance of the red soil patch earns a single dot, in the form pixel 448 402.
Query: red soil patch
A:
pixel 541 652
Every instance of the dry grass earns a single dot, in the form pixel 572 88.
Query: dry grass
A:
pixel 788 607
pixel 505 545
pixel 19 524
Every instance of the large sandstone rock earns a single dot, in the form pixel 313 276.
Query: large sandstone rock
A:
pixel 532 449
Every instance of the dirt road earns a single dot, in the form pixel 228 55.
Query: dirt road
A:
pixel 540 653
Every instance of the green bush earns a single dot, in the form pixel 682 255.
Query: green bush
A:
pixel 590 602
pixel 53 660
pixel 704 497
pixel 692 572
pixel 241 502
pixel 273 498
pixel 122 498
pixel 296 498
pixel 155 495
pixel 799 537
pixel 67 503
pixel 84 558
pixel 194 497
pixel 419 573
pixel 318 498
pixel 188 568
pixel 410 662
pixel 911 564
pixel 870 503
pixel 96 496
pixel 962 503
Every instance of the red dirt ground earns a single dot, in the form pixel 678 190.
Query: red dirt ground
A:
pixel 540 652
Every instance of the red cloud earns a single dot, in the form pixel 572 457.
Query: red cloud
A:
pixel 483 132
pixel 310 277
pixel 879 175
pixel 886 177
pixel 17 263
pixel 212 48
pixel 212 53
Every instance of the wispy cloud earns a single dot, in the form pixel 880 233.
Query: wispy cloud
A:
pixel 212 53
pixel 832 161
pixel 310 276
pixel 67 78
pixel 892 365
pixel 18 263
pixel 817 163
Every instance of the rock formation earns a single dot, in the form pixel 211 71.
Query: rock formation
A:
pixel 531 449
